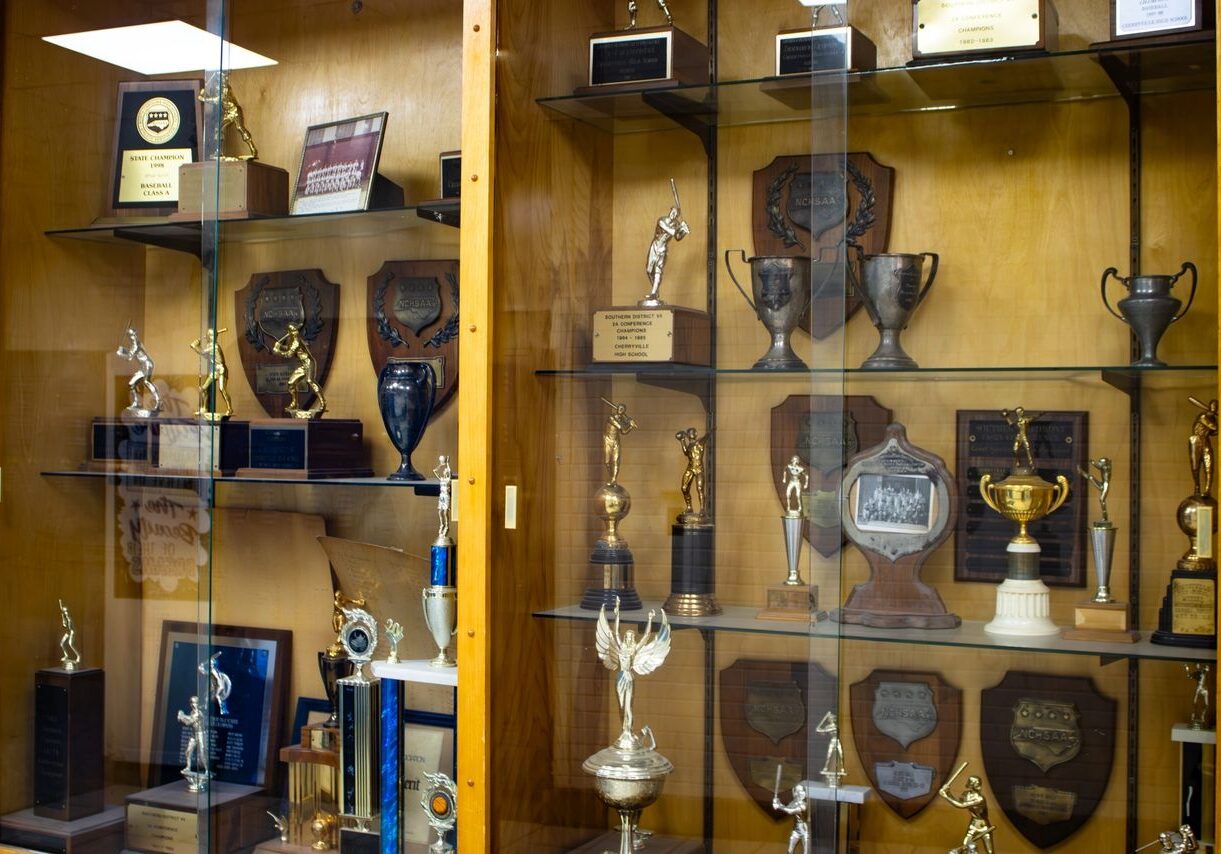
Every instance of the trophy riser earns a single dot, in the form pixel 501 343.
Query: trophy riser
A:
pixel 1102 546
pixel 692 571
pixel 166 820
pixel 68 743
pixel 359 744
pixel 611 576
pixel 245 189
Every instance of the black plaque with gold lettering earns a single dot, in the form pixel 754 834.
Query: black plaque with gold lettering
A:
pixel 157 129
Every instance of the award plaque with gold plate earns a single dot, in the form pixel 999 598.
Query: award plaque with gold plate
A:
pixel 962 29
pixel 1188 616
pixel 645 58
pixel 158 128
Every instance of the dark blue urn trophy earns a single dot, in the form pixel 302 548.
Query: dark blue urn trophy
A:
pixel 406 391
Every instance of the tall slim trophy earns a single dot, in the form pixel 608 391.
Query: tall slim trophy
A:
pixel 611 564
pixel 1101 618
pixel 692 542
pixel 794 599
pixel 359 738
pixel 441 596
pixel 1023 602
pixel 1188 613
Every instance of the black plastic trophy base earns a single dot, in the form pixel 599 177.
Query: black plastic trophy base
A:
pixel 692 571
pixel 302 449
pixel 611 574
pixel 68 739
pixel 165 820
pixel 353 841
pixel 1189 609
pixel 100 833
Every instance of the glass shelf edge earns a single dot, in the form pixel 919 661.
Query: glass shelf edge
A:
pixel 426 488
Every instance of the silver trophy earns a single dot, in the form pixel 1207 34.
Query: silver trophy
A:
pixel 440 598
pixel 441 617
pixel 1103 531
pixel 890 289
pixel 629 775
pixel 1149 308
pixel 195 758
pixel 781 288
pixel 440 805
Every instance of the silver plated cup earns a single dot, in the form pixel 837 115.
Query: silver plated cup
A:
pixel 441 617
pixel 890 289
pixel 781 288
pixel 1149 308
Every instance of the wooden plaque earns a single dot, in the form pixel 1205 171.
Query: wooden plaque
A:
pixel 1048 743
pixel 900 504
pixel 906 726
pixel 808 205
pixel 825 431
pixel 644 58
pixel 412 311
pixel 158 127
pixel 945 29
pixel 1059 442
pixel 264 308
pixel 670 334
pixel 765 710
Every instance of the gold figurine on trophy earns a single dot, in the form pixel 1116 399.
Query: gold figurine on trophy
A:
pixel 217 91
pixel 214 382
pixel 692 545
pixel 979 830
pixel 695 450
pixel 293 346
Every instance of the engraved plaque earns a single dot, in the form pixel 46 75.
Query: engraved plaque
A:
pixel 157 129
pixel 1144 18
pixel 904 711
pixel 1194 606
pixel 949 27
pixel 1046 732
pixel 824 49
pixel 633 336
pixel 1043 805
pixel 775 709
pixel 160 830
pixel 903 780
pixel 634 58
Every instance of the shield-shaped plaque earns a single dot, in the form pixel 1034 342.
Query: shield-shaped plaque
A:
pixel 1048 743
pixel 906 726
pixel 413 314
pixel 824 431
pixel 765 712
pixel 808 204
pixel 265 308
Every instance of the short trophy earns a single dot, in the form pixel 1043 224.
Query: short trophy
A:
pixel 836 48
pixel 612 566
pixel 833 770
pixel 394 636
pixel 1023 602
pixel 1198 674
pixel 245 187
pixel 1149 308
pixel 799 809
pixel 440 598
pixel 1197 742
pixel 645 57
pixel 692 543
pixel 440 801
pixel 214 401
pixel 1101 618
pixel 794 599
pixel 978 838
pixel 891 291
pixel 1188 613
pixel 360 735
pixel 629 774
pixel 652 331
pixel 195 770
pixel 781 285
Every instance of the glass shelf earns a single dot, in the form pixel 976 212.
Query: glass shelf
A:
pixel 1106 373
pixel 971 634
pixel 426 487
pixel 1075 75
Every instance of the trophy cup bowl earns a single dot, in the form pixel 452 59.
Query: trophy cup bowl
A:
pixel 1188 517
pixel 406 391
pixel 1023 497
pixel 441 617
pixel 890 289
pixel 1149 308
pixel 781 288
pixel 332 669
pixel 1102 545
pixel 628 781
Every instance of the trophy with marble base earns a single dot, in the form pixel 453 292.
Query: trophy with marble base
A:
pixel 692 538
pixel 794 599
pixel 1188 613
pixel 1023 602
pixel 611 566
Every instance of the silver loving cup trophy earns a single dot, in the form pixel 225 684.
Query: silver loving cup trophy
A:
pixel 781 287
pixel 1149 308
pixel 890 289
pixel 441 617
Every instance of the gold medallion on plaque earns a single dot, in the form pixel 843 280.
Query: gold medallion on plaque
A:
pixel 158 120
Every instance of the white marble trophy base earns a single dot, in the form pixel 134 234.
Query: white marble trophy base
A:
pixel 1023 608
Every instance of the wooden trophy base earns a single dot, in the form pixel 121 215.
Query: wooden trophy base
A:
pixel 246 189
pixel 795 603
pixel 193 446
pixel 165 820
pixel 644 58
pixel 1098 621
pixel 667 334
pixel 297 449
pixel 69 768
pixel 100 833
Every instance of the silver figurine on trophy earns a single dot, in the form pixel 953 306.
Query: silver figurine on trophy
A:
pixel 440 598
pixel 672 226
pixel 799 809
pixel 141 382
pixel 833 770
pixel 1198 673
pixel 195 760
pixel 629 775
pixel 220 686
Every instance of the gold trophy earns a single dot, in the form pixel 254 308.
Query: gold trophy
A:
pixel 692 546
pixel 1023 602
pixel 612 566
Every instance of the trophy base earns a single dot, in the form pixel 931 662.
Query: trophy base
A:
pixel 596 597
pixel 100 833
pixel 779 363
pixel 792 603
pixel 664 334
pixel 889 362
pixel 69 767
pixel 295 449
pixel 1099 621
pixel 1023 609
pixel 883 620
pixel 611 574
pixel 691 605
pixel 166 820
pixel 245 189
pixel 355 841
pixel 116 443
pixel 1187 616
pixel 692 571
pixel 195 446
pixel 644 58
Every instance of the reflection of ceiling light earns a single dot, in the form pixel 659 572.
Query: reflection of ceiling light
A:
pixel 168 47
pixel 822 3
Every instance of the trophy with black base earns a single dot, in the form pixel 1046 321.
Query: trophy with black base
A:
pixel 359 738
pixel 692 541
pixel 1188 616
pixel 611 564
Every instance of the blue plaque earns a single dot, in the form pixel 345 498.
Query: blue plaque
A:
pixel 442 574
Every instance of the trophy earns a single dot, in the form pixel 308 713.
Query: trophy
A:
pixel 195 770
pixel 692 547
pixel 890 289
pixel 630 774
pixel 1188 613
pixel 1198 674
pixel 1101 618
pixel 245 187
pixel 313 760
pixel 394 636
pixel 979 829
pixel 836 48
pixel 1197 742
pixel 833 768
pixel 794 599
pixel 1178 841
pixel 214 382
pixel 440 805
pixel 1023 602
pixel 440 598
pixel 145 399
pixel 1149 308
pixel 611 564
pixel 651 330
pixel 406 392
pixel 360 733
pixel 645 57
pixel 781 287
pixel 799 809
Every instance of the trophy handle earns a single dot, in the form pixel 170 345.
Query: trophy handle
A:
pixel 1187 265
pixel 1111 271
pixel 742 252
pixel 1061 493
pixel 932 274
pixel 424 606
pixel 985 492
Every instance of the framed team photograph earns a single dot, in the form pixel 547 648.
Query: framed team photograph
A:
pixel 338 165
pixel 894 503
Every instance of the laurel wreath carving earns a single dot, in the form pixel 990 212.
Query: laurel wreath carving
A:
pixel 776 222
pixel 311 301
pixel 449 331
pixel 864 217
pixel 390 333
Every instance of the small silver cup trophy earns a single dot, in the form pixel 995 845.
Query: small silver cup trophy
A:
pixel 440 598
pixel 890 289
pixel 1149 308
pixel 781 288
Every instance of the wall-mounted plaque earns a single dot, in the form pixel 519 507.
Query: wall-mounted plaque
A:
pixel 645 58
pixel 338 169
pixel 1059 441
pixel 765 709
pixel 943 29
pixel 824 49
pixel 1048 743
pixel 157 129
pixel 265 308
pixel 1141 19
pixel 808 205
pixel 906 726
pixel 413 314
pixel 824 431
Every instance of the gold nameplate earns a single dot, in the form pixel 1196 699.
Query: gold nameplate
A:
pixel 633 335
pixel 187 447
pixel 151 176
pixel 1194 605
pixel 972 26
pixel 1043 805
pixel 161 830
pixel 1204 531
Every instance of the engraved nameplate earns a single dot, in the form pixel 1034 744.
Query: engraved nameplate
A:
pixel 1204 531
pixel 161 830
pixel 819 50
pixel 1150 17
pixel 633 335
pixel 151 176
pixel 272 379
pixel 278 447
pixel 904 780
pixel 968 26
pixel 51 746
pixel 1043 805
pixel 1193 604
pixel 187 446
pixel 630 58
